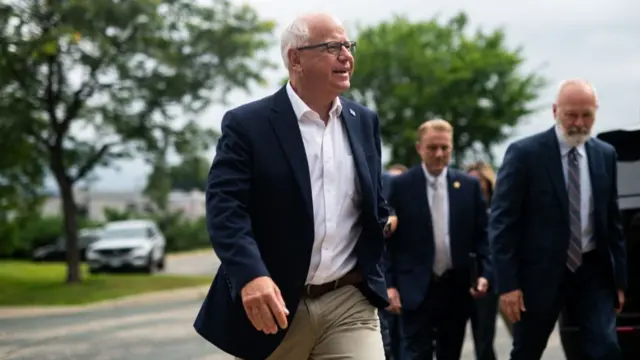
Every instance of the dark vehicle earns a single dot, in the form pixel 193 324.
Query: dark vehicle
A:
pixel 58 252
pixel 627 144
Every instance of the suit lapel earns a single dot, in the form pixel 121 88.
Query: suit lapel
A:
pixel 353 126
pixel 285 125
pixel 596 173
pixel 555 168
pixel 453 189
pixel 420 193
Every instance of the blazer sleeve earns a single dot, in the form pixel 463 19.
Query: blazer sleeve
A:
pixel 505 220
pixel 227 207
pixel 383 208
pixel 386 190
pixel 616 233
pixel 391 246
pixel 482 240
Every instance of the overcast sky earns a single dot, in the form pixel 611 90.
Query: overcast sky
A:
pixel 593 39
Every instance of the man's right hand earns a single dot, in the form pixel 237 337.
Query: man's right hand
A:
pixel 390 227
pixel 512 304
pixel 395 306
pixel 263 302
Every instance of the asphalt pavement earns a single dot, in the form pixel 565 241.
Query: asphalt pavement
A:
pixel 156 330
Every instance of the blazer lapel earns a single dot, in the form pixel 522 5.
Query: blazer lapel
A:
pixel 421 198
pixel 596 174
pixel 453 188
pixel 285 125
pixel 555 168
pixel 353 127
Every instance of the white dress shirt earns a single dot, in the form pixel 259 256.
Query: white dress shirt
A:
pixel 441 180
pixel 586 198
pixel 334 190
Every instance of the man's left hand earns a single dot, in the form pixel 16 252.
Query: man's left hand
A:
pixel 620 301
pixel 390 227
pixel 481 288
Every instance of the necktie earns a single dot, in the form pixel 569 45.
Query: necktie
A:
pixel 439 232
pixel 575 240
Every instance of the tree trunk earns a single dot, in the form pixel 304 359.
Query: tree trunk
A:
pixel 69 215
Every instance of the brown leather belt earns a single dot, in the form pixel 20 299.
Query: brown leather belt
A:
pixel 315 291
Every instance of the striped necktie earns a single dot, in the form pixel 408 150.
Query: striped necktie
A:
pixel 575 240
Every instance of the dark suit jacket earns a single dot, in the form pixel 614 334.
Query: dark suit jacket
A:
pixel 386 189
pixel 260 218
pixel 529 222
pixel 411 249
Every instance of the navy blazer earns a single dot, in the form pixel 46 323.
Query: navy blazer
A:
pixel 260 218
pixel 529 222
pixel 387 178
pixel 411 250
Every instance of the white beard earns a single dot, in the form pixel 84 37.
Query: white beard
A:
pixel 574 139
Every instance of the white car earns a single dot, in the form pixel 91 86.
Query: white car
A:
pixel 128 245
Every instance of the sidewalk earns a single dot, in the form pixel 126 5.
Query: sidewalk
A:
pixel 191 293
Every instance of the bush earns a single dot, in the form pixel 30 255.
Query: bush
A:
pixel 21 235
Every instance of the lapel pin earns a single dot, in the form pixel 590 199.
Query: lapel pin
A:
pixel 456 185
pixel 353 113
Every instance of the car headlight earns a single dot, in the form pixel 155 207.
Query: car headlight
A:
pixel 140 251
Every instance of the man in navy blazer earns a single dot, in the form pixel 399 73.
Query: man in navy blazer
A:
pixel 442 219
pixel 556 234
pixel 296 215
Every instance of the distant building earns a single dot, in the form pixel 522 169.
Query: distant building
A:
pixel 191 204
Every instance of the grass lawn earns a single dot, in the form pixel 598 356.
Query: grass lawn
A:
pixel 28 283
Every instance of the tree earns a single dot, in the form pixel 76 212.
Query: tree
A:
pixel 411 72
pixel 96 81
pixel 190 174
pixel 189 143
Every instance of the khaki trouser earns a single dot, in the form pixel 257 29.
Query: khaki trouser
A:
pixel 340 325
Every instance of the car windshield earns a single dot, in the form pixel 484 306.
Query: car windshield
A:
pixel 124 233
pixel 83 241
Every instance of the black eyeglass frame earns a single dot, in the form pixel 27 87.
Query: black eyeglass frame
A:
pixel 332 47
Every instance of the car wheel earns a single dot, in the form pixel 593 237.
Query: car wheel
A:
pixel 161 262
pixel 151 265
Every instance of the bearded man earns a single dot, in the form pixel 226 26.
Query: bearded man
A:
pixel 555 231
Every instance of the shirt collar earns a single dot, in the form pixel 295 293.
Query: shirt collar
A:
pixel 564 147
pixel 435 179
pixel 300 108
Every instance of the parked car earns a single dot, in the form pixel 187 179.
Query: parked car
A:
pixel 627 144
pixel 128 245
pixel 58 250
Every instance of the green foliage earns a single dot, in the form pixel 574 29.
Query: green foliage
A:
pixel 95 81
pixel 414 71
pixel 22 234
pixel 190 174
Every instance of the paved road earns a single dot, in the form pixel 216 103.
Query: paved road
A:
pixel 200 263
pixel 147 332
pixel 160 331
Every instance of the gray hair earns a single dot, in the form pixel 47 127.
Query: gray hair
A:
pixel 579 82
pixel 297 34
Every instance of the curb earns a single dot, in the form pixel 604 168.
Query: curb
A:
pixel 205 251
pixel 181 294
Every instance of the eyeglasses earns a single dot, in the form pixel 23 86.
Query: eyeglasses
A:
pixel 332 47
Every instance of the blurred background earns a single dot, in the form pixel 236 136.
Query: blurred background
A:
pixel 110 111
